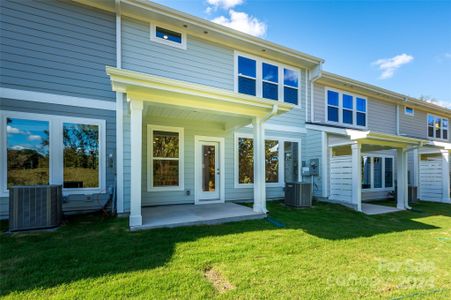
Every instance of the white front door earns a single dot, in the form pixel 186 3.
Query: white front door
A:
pixel 209 165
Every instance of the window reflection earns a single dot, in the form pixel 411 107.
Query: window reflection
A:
pixel 81 155
pixel 27 152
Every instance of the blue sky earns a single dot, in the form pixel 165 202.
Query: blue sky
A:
pixel 404 46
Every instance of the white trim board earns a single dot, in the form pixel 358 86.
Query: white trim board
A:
pixel 56 99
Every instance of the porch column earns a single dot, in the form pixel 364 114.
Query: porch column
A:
pixel 445 175
pixel 259 166
pixel 136 109
pixel 401 179
pixel 357 176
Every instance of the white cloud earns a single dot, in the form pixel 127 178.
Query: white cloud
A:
pixel 243 22
pixel 388 66
pixel 439 103
pixel 225 4
pixel 34 137
pixel 17 147
pixel 13 130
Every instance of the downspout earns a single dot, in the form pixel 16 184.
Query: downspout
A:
pixel 312 81
pixel 397 119
pixel 275 109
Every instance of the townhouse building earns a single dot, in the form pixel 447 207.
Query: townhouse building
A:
pixel 160 108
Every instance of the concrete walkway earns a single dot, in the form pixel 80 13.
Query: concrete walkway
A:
pixel 373 209
pixel 189 214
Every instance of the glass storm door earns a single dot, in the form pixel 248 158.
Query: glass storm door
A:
pixel 210 171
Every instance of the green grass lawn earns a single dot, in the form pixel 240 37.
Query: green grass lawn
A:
pixel 327 252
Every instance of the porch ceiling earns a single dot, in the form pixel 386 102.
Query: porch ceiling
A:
pixel 161 91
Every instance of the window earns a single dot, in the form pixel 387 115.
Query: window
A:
pixel 165 158
pixel 245 160
pixel 348 109
pixel 81 155
pixel 247 76
pixel 27 152
pixel 168 35
pixel 46 149
pixel 345 108
pixel 272 160
pixel 291 86
pixel 437 127
pixel 409 111
pixel 377 172
pixel 332 106
pixel 268 80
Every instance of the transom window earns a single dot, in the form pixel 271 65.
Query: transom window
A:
pixel 264 79
pixel 345 108
pixel 168 35
pixel 165 158
pixel 73 146
pixel 437 127
pixel 377 172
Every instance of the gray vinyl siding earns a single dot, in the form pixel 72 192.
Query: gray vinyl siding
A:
pixel 69 111
pixel 202 62
pixel 312 148
pixel 381 116
pixel 57 47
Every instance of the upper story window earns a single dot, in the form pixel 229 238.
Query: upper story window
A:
pixel 345 108
pixel 409 111
pixel 260 78
pixel 437 127
pixel 167 35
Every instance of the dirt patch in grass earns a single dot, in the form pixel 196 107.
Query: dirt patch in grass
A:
pixel 218 281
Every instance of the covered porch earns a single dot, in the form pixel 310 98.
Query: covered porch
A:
pixel 157 103
pixel 369 166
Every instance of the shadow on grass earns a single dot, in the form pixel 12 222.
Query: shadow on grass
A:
pixel 92 246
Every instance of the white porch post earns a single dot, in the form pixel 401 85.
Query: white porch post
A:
pixel 259 166
pixel 445 175
pixel 401 168
pixel 136 108
pixel 357 176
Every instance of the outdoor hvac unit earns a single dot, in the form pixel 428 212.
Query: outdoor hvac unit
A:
pixel 298 194
pixel 35 207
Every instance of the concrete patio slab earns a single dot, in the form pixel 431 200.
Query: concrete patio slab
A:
pixel 189 214
pixel 373 209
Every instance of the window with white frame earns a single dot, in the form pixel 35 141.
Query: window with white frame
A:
pixel 346 108
pixel 46 149
pixel 437 127
pixel 245 164
pixel 81 155
pixel 409 111
pixel 377 172
pixel 165 158
pixel 275 166
pixel 265 79
pixel 168 35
